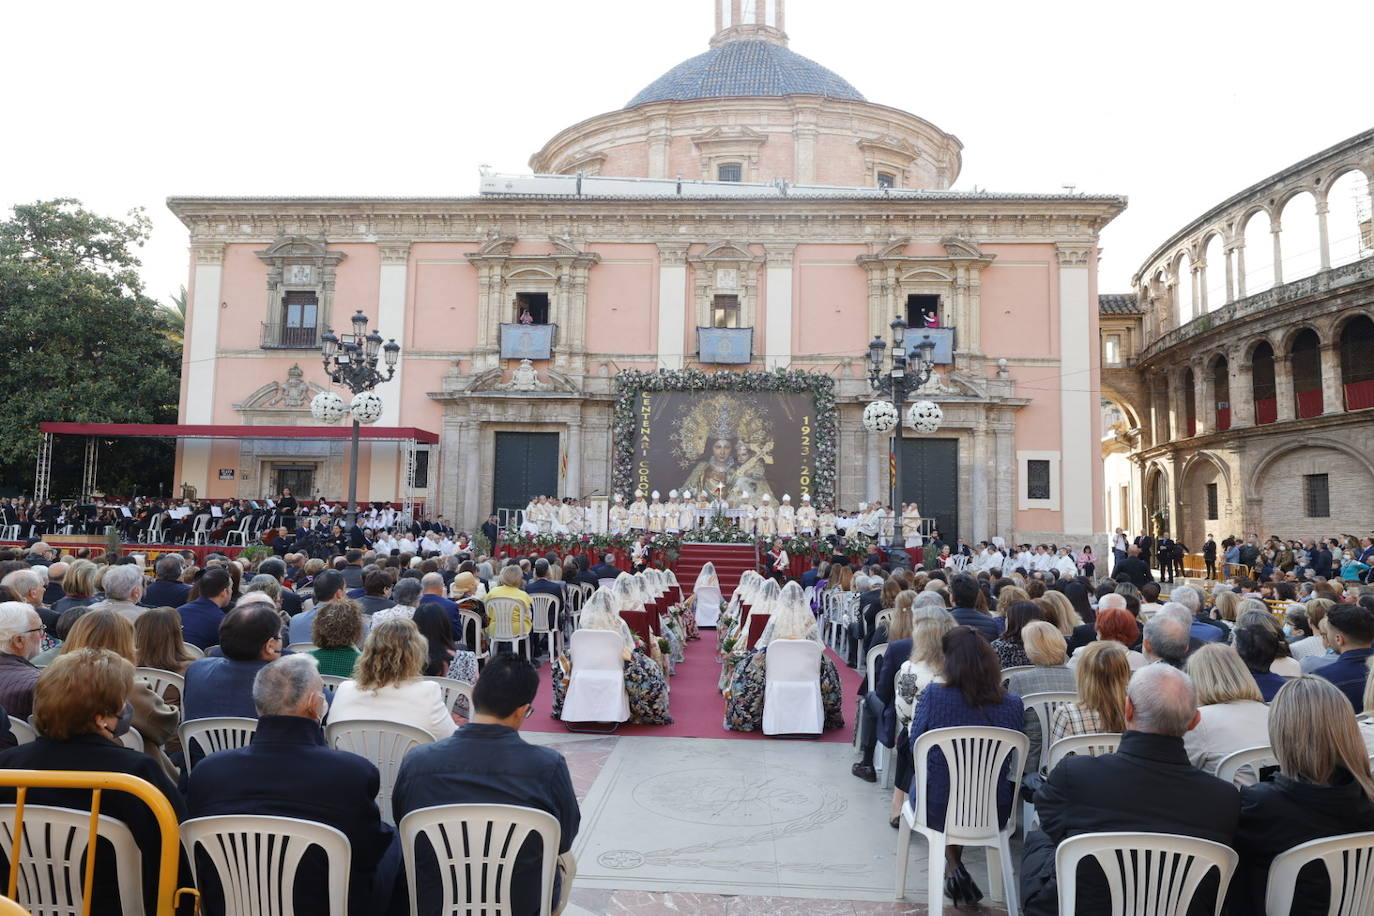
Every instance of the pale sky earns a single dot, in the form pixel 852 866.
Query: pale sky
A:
pixel 1177 105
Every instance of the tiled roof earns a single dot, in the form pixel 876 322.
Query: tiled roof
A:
pixel 1117 304
pixel 746 68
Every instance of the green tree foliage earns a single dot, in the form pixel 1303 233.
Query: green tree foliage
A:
pixel 81 342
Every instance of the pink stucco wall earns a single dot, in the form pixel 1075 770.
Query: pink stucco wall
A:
pixel 828 286
pixel 1017 293
pixel 442 298
pixel 622 299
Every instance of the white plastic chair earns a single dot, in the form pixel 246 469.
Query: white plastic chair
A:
pixel 52 852
pixel 302 647
pixel 596 691
pixel 500 612
pixel 476 846
pixel 605 583
pixel 200 529
pixel 792 688
pixel 23 732
pixel 1094 745
pixel 153 532
pixel 453 691
pixel 975 756
pixel 332 681
pixel 1229 767
pixel 257 860
pixel 879 751
pixel 1349 862
pixel 219 733
pixel 708 605
pixel 159 679
pixel 132 740
pixel 383 743
pixel 884 619
pixel 472 620
pixel 546 611
pixel 1044 705
pixel 1014 669
pixel 241 532
pixel 1148 874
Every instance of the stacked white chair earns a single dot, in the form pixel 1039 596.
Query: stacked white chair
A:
pixel 1148 874
pixel 476 846
pixel 596 691
pixel 792 688
pixel 52 853
pixel 453 691
pixel 975 755
pixel 257 860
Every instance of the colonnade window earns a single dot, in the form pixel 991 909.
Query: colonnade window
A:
pixel 1298 237
pixel 1189 404
pixel 1348 218
pixel 1214 257
pixel 1259 253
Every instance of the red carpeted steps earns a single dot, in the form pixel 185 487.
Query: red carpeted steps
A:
pixel 730 561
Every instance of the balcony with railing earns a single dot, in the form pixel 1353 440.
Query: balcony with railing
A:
pixel 278 335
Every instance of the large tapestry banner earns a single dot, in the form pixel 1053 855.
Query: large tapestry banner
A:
pixel 741 435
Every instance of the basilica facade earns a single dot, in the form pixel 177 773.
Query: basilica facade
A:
pixel 747 210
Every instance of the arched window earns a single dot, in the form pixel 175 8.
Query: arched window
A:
pixel 1215 258
pixel 1221 392
pixel 1259 253
pixel 1347 218
pixel 1262 382
pixel 1357 363
pixel 1183 289
pixel 1298 237
pixel 1305 358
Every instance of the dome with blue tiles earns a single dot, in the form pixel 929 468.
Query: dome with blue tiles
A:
pixel 746 67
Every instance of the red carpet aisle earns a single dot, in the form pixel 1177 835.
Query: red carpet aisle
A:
pixel 698 708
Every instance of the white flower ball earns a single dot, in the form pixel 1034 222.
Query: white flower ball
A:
pixel 327 407
pixel 880 417
pixel 925 416
pixel 367 407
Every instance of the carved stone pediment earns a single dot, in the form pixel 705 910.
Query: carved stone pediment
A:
pixel 729 137
pixel 957 247
pixel 299 248
pixel 292 394
pixel 524 377
pixel 725 250
pixel 888 147
pixel 497 246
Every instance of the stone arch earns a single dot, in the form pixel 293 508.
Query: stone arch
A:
pixel 1157 494
pixel 1181 267
pixel 1277 501
pixel 1214 290
pixel 1354 337
pixel 1255 230
pixel 1199 471
pixel 1298 236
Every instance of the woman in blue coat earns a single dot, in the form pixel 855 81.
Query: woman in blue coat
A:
pixel 972 694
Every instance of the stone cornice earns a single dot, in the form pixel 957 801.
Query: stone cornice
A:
pixel 981 218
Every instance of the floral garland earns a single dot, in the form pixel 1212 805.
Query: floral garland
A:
pixel 631 382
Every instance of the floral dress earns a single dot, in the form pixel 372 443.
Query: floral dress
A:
pixel 744 698
pixel 645 685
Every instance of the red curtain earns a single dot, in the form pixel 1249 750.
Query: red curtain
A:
pixel 1223 419
pixel 1310 403
pixel 1359 395
pixel 1266 410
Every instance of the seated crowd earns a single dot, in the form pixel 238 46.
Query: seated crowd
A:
pixel 1182 681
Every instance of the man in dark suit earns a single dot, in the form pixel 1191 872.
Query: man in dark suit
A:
pixel 276 568
pixel 964 592
pixel 432 592
pixel 877 716
pixel 541 584
pixel 289 771
pixel 1148 786
pixel 167 590
pixel 353 572
pixel 1165 548
pixel 812 575
pixel 487 762
pixel 607 568
pixel 491 530
pixel 1146 545
pixel 1320 560
pixel 200 619
pixel 1133 569
pixel 584 573
pixel 1350 630
pixel 1209 556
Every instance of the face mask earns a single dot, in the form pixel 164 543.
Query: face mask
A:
pixel 1288 631
pixel 126 719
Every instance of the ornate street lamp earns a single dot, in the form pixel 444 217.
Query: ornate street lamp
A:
pixel 351 360
pixel 899 376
